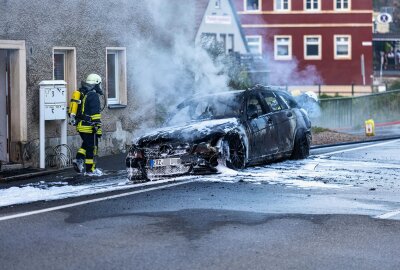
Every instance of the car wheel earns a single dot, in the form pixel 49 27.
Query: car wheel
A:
pixel 301 147
pixel 234 154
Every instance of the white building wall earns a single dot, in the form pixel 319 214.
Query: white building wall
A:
pixel 220 19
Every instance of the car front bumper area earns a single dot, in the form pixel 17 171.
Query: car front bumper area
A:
pixel 157 162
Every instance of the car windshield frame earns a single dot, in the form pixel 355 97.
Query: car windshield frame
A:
pixel 210 107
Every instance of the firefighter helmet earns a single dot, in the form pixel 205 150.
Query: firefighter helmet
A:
pixel 93 79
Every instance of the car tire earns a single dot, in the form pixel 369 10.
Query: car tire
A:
pixel 234 155
pixel 301 149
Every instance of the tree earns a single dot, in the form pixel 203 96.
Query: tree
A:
pixel 231 66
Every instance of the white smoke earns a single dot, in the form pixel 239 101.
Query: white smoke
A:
pixel 167 67
pixel 289 72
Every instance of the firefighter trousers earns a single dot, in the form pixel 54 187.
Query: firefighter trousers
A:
pixel 88 150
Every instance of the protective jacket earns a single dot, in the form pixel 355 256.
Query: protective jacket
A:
pixel 88 115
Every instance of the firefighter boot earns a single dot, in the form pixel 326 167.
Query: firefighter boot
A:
pixel 95 172
pixel 78 165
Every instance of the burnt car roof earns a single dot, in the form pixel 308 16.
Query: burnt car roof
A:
pixel 212 95
pixel 268 88
pixel 234 93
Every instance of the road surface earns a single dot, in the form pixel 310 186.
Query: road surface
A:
pixel 338 209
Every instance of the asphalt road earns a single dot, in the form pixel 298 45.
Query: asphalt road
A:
pixel 336 210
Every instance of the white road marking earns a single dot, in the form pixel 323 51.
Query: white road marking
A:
pixel 358 148
pixel 91 201
pixel 389 215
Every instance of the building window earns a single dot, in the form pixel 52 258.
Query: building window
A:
pixel 217 3
pixel 116 76
pixel 283 48
pixel 389 10
pixel 342 47
pixel 207 40
pixel 64 67
pixel 252 5
pixel 311 5
pixel 281 5
pixel 230 45
pixel 112 78
pixel 222 38
pixel 312 47
pixel 255 45
pixel 59 65
pixel 342 4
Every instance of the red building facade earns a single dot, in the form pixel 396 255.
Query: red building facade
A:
pixel 331 38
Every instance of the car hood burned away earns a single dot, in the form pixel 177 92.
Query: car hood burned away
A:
pixel 196 132
pixel 234 129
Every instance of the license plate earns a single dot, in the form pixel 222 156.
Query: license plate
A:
pixel 164 162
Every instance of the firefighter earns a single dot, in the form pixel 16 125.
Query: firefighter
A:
pixel 84 112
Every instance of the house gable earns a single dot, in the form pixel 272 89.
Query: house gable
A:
pixel 220 21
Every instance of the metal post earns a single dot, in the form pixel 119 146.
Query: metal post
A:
pixel 41 131
pixel 363 68
pixel 380 74
pixel 64 128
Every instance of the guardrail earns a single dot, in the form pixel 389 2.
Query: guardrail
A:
pixel 351 112
pixel 335 90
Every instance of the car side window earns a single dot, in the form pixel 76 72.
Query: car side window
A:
pixel 254 106
pixel 272 101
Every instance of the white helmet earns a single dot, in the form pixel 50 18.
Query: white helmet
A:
pixel 93 79
pixel 312 95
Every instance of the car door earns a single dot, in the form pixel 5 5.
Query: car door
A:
pixel 283 119
pixel 259 126
pixel 290 105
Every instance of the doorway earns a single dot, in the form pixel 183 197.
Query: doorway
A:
pixel 13 102
pixel 4 105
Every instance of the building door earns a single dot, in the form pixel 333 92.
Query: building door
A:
pixel 4 111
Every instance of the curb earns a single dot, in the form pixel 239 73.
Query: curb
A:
pixel 382 138
pixel 30 175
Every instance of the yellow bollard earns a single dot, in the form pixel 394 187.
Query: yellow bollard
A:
pixel 370 127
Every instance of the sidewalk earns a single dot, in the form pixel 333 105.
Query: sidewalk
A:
pixel 109 163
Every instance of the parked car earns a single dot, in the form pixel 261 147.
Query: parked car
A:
pixel 235 129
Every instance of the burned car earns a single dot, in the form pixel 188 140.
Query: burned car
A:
pixel 234 129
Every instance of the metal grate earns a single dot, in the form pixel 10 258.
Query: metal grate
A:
pixel 158 172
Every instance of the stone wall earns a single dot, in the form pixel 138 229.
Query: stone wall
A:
pixel 90 26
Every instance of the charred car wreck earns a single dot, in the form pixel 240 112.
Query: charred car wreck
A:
pixel 235 129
